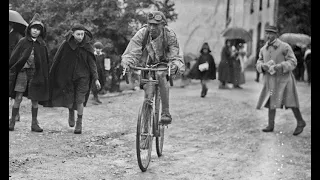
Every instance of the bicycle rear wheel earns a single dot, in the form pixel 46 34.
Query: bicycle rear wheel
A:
pixel 144 136
pixel 159 127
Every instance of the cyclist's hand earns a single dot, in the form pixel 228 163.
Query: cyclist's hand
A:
pixel 173 69
pixel 125 65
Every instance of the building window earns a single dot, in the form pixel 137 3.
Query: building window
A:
pixel 252 7
pixel 268 4
pixel 228 16
pixel 249 44
pixel 260 6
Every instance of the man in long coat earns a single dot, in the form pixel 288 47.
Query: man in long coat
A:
pixel 277 61
pixel 29 71
pixel 72 71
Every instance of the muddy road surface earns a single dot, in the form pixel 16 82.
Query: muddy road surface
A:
pixel 218 137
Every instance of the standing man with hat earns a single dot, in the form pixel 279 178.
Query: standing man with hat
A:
pixel 152 44
pixel 277 61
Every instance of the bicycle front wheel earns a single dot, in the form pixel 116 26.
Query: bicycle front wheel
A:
pixel 144 136
pixel 159 127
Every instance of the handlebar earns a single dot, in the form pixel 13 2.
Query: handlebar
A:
pixel 151 68
pixel 148 68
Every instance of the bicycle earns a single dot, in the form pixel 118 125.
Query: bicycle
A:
pixel 148 124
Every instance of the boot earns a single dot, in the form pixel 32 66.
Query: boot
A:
pixel 271 117
pixel 35 124
pixel 96 100
pixel 300 122
pixel 269 128
pixel 12 120
pixel 204 91
pixel 71 120
pixel 18 117
pixel 78 128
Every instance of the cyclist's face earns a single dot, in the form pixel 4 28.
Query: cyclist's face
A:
pixel 155 29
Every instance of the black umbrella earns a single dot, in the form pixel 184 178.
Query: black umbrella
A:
pixel 19 24
pixel 237 33
pixel 296 39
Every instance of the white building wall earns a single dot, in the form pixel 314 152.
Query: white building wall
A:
pixel 202 21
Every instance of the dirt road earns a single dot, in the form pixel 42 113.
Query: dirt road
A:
pixel 218 137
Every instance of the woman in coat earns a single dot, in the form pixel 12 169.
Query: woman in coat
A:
pixel 277 61
pixel 72 71
pixel 225 67
pixel 28 71
pixel 238 59
pixel 204 69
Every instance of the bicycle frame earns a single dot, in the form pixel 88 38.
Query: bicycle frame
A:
pixel 151 87
pixel 150 106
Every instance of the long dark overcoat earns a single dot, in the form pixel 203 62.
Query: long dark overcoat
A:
pixel 195 73
pixel 225 68
pixel 39 85
pixel 63 67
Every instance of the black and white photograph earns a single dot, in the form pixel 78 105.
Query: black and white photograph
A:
pixel 159 90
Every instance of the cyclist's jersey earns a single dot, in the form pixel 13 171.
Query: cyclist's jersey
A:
pixel 162 49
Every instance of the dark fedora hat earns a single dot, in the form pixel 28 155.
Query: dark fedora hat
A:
pixel 271 29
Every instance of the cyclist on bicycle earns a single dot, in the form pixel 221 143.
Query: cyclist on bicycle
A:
pixel 156 43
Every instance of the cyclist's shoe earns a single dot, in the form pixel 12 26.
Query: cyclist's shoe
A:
pixel 204 92
pixel 165 118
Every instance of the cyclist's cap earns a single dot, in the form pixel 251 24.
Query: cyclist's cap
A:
pixel 156 17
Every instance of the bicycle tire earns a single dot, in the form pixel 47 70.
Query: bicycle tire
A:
pixel 159 127
pixel 144 117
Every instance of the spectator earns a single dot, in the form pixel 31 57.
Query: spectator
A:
pixel 204 69
pixel 277 61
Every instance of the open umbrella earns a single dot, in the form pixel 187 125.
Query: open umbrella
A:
pixel 237 33
pixel 296 39
pixel 19 24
